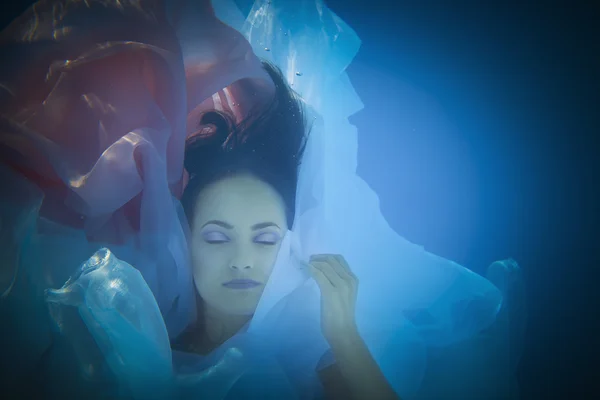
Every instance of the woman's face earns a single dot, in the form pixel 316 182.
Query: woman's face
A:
pixel 237 230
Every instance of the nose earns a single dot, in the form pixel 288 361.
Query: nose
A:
pixel 242 259
pixel 245 267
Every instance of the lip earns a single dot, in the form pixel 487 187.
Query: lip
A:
pixel 241 284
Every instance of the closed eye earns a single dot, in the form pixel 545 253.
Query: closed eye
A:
pixel 268 238
pixel 215 237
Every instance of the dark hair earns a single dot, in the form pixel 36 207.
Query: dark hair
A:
pixel 268 144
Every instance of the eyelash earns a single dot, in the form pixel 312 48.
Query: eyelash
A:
pixel 226 239
pixel 217 241
pixel 267 242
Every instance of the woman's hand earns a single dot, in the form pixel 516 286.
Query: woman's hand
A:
pixel 339 287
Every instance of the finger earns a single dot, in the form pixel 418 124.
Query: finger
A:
pixel 346 266
pixel 339 265
pixel 327 269
pixel 342 269
pixel 324 283
pixel 350 284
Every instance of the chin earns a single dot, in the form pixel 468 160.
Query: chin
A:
pixel 239 309
pixel 246 311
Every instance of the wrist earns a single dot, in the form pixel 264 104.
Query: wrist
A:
pixel 346 342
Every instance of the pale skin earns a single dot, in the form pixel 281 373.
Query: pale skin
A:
pixel 237 229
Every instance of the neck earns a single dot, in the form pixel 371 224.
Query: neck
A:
pixel 220 327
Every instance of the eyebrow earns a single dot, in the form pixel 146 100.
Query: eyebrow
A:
pixel 254 227
pixel 219 223
pixel 264 225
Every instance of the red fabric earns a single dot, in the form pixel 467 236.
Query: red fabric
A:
pixel 79 77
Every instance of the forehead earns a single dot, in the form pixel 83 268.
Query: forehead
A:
pixel 241 201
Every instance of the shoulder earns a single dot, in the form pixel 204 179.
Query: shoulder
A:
pixel 334 386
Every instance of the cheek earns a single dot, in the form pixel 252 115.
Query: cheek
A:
pixel 267 258
pixel 208 261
